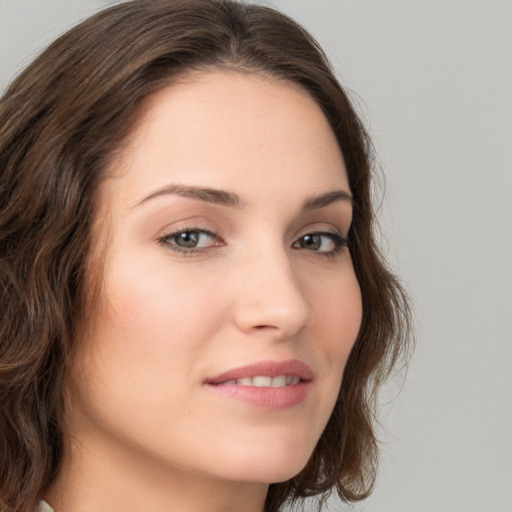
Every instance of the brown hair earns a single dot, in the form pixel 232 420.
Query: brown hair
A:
pixel 60 121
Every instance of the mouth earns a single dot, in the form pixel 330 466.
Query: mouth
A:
pixel 266 384
pixel 263 381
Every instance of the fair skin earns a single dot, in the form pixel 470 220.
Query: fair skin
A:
pixel 197 283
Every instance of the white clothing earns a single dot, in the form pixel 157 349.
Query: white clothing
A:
pixel 44 507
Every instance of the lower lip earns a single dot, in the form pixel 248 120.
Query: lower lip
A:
pixel 265 397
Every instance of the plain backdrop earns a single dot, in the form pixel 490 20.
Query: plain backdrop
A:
pixel 433 80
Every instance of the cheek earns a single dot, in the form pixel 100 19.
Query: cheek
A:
pixel 338 313
pixel 139 352
pixel 153 302
pixel 339 320
pixel 155 323
pixel 344 320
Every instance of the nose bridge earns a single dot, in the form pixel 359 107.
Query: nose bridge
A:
pixel 271 296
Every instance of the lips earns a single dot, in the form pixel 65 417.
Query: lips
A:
pixel 267 384
pixel 291 368
pixel 262 381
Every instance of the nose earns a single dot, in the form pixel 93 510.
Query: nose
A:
pixel 271 299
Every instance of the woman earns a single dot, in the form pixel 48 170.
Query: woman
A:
pixel 196 314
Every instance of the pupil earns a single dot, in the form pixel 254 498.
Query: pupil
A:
pixel 311 242
pixel 188 239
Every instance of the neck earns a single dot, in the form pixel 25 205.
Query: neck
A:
pixel 106 479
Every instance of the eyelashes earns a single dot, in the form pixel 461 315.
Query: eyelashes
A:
pixel 324 242
pixel 190 241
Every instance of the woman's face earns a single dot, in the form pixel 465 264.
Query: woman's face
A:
pixel 229 303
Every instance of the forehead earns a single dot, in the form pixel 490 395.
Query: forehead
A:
pixel 230 130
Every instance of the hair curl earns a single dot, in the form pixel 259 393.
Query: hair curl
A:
pixel 60 122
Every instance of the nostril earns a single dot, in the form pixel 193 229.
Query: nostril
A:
pixel 280 310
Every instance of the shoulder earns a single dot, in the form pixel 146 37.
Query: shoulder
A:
pixel 44 507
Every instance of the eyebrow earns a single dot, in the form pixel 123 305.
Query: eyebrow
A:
pixel 230 199
pixel 209 195
pixel 323 200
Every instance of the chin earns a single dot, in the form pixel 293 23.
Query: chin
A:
pixel 270 472
pixel 268 463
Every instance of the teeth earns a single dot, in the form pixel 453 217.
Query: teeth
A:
pixel 262 381
pixel 279 382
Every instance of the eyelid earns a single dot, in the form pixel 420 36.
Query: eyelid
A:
pixel 169 235
pixel 338 239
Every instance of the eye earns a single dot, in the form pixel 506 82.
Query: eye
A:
pixel 190 240
pixel 322 242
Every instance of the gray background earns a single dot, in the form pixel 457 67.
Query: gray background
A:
pixel 433 80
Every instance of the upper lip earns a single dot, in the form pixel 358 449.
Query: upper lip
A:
pixel 265 368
